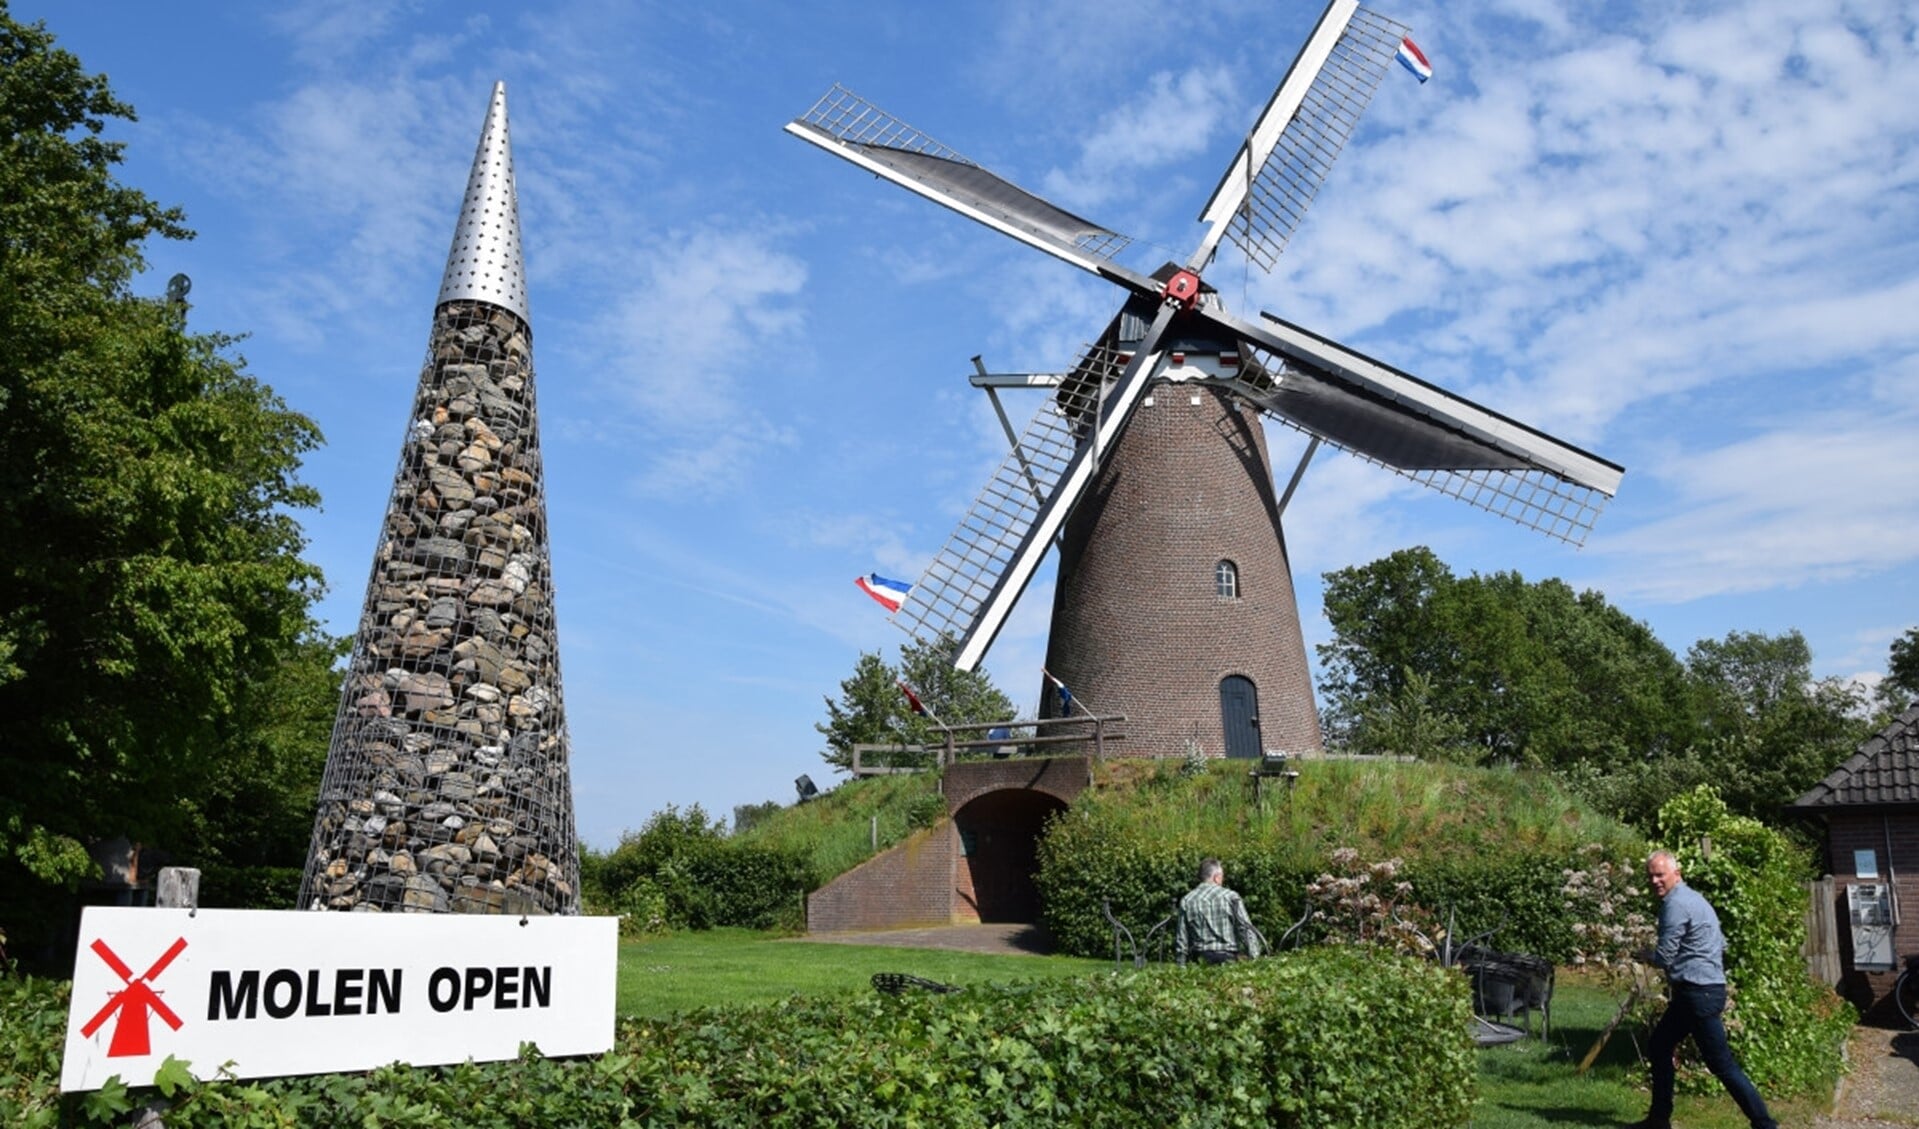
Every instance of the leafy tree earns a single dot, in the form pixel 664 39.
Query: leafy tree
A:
pixel 747 815
pixel 1532 673
pixel 1383 630
pixel 149 566
pixel 953 696
pixel 1786 1029
pixel 1770 730
pixel 1897 692
pixel 873 710
pixel 1746 675
pixel 249 826
pixel 1496 668
pixel 1407 722
pixel 868 712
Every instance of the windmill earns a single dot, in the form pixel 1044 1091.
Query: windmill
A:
pixel 1147 462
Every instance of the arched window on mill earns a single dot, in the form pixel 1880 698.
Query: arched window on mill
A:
pixel 1226 580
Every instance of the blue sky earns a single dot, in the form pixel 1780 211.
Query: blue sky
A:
pixel 1682 235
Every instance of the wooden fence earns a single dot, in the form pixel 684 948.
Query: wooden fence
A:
pixel 1822 932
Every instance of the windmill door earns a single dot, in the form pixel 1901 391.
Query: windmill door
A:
pixel 1239 716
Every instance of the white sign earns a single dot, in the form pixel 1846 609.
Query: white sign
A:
pixel 268 992
pixel 1865 864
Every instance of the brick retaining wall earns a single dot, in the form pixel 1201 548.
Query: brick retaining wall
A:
pixel 925 880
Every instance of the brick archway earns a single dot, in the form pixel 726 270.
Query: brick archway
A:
pixel 999 852
pixel 1062 778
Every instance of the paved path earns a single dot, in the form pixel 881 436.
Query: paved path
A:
pixel 1883 1089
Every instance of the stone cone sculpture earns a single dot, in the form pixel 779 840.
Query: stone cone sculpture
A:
pixel 446 787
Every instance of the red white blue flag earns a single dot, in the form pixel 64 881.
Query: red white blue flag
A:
pixel 890 593
pixel 1414 60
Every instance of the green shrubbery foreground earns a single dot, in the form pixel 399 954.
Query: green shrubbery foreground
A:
pixel 1324 1037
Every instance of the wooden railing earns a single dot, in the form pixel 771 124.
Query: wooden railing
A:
pixel 1104 730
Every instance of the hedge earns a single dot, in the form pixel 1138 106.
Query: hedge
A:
pixel 1086 858
pixel 698 877
pixel 1322 1038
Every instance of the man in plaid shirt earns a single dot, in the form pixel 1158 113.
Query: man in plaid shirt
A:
pixel 1213 925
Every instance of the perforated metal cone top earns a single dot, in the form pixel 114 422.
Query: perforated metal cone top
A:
pixel 485 264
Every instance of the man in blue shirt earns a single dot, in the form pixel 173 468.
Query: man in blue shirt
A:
pixel 1692 950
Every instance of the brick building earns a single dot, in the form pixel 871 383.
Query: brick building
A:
pixel 1870 808
pixel 1174 605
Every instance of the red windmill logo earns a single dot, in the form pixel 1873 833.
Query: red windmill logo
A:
pixel 132 1003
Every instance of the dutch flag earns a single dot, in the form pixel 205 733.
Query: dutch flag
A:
pixel 890 593
pixel 1414 60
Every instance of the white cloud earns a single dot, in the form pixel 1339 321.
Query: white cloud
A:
pixel 328 33
pixel 1172 119
pixel 712 307
pixel 1813 501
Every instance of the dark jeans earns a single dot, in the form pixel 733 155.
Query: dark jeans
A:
pixel 1695 1010
pixel 1218 956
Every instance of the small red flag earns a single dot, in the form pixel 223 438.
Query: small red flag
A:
pixel 912 699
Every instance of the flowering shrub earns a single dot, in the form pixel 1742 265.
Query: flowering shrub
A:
pixel 1368 903
pixel 1609 914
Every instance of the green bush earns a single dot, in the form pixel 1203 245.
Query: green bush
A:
pixel 1519 894
pixel 250 887
pixel 1787 1030
pixel 33 1031
pixel 1090 854
pixel 1492 845
pixel 701 878
pixel 641 908
pixel 1323 1038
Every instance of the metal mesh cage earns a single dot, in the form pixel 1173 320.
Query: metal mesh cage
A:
pixel 446 786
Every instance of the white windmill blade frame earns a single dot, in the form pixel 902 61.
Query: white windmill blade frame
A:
pixel 1237 180
pixel 1286 157
pixel 855 130
pixel 952 601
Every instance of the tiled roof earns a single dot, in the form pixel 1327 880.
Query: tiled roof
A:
pixel 1885 770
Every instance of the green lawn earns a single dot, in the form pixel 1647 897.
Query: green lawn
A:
pixel 1526 1085
pixel 681 971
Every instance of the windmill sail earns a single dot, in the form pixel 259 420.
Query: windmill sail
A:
pixel 1291 148
pixel 970 588
pixel 849 127
pixel 1441 440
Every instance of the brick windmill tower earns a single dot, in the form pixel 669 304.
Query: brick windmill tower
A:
pixel 1147 462
pixel 447 786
